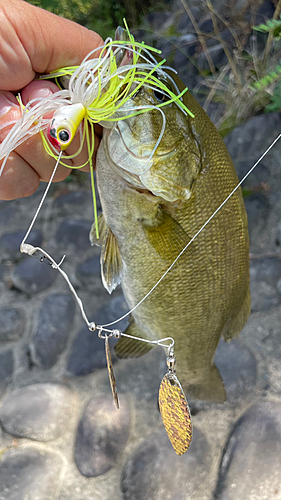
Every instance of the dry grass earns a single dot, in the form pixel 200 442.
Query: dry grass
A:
pixel 236 85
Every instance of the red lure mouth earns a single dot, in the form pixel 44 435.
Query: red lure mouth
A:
pixel 52 137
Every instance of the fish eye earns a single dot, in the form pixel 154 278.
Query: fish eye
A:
pixel 64 135
pixel 159 95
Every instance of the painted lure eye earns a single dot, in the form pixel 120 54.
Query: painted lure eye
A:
pixel 64 135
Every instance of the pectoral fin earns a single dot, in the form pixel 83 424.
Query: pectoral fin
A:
pixel 103 227
pixel 131 348
pixel 165 235
pixel 111 262
pixel 110 259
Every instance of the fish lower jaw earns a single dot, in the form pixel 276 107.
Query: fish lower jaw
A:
pixel 141 190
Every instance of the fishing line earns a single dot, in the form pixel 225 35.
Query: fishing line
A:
pixel 195 236
pixel 40 205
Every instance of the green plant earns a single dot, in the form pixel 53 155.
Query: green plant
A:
pixel 271 26
pixel 99 15
pixel 245 86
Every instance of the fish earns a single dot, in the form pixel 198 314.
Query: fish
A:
pixel 151 208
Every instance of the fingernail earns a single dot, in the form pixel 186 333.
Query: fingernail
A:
pixel 43 92
pixel 5 104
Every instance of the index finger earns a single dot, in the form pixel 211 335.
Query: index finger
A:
pixel 36 41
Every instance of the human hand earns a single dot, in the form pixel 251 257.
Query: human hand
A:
pixel 33 41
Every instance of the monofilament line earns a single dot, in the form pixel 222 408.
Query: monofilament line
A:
pixel 195 236
pixel 41 202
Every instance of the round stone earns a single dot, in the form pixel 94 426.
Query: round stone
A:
pixel 87 353
pixel 113 310
pixel 12 323
pixel 251 463
pixel 32 276
pixel 2 271
pixel 38 411
pixel 10 242
pixel 29 473
pixel 238 368
pixel 77 198
pixel 258 210
pixel 89 273
pixel 6 369
pixel 154 471
pixel 55 320
pixel 102 434
pixel 265 274
pixel 74 232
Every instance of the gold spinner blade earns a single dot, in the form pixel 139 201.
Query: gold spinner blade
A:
pixel 175 413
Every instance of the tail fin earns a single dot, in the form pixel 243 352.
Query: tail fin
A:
pixel 210 388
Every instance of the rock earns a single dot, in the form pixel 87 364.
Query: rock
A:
pixel 87 353
pixel 10 242
pixel 7 212
pixel 265 11
pixel 206 26
pixel 184 24
pixel 247 142
pixel 251 463
pixel 185 68
pixel 277 238
pixel 265 274
pixel 258 211
pixel 217 55
pixel 55 320
pixel 77 198
pixel 29 473
pixel 158 19
pixel 74 232
pixel 142 376
pixel 40 411
pixel 154 471
pixel 101 437
pixel 2 271
pixel 262 332
pixel 31 276
pixel 116 308
pixel 260 174
pixel 12 323
pixel 6 369
pixel 89 272
pixel 238 368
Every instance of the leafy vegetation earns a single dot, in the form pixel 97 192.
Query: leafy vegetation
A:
pixel 102 16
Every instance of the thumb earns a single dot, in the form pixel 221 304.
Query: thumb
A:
pixel 34 41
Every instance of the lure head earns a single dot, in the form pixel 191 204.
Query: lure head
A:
pixel 64 125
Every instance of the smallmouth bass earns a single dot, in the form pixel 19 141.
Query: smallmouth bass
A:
pixel 151 209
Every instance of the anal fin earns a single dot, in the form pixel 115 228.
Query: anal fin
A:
pixel 131 348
